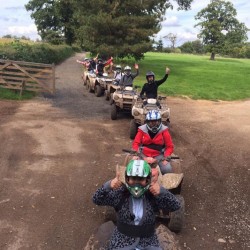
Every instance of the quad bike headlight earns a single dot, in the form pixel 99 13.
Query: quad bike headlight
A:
pixel 136 113
pixel 116 97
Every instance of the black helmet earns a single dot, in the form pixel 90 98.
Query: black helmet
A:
pixel 150 73
pixel 99 60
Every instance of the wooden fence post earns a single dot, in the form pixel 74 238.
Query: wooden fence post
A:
pixel 22 87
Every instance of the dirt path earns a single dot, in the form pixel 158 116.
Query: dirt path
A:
pixel 55 152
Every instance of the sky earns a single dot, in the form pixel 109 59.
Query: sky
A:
pixel 15 20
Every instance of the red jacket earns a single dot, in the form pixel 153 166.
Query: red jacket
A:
pixel 162 140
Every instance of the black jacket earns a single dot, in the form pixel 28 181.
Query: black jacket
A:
pixel 150 89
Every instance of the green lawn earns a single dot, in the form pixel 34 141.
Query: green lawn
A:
pixel 194 76
pixel 15 95
pixel 198 77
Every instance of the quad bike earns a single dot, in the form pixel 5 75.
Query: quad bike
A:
pixel 89 79
pixel 122 100
pixel 142 107
pixel 171 181
pixel 97 84
pixel 110 89
pixel 101 85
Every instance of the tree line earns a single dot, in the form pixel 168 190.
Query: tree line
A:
pixel 126 28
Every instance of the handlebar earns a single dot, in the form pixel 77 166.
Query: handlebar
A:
pixel 133 152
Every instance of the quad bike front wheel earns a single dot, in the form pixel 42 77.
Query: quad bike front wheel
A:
pixel 113 112
pixel 176 220
pixel 84 81
pixel 98 90
pixel 133 129
pixel 88 87
pixel 167 123
pixel 106 95
pixel 111 101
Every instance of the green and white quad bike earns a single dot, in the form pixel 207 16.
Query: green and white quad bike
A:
pixel 142 107
pixel 123 100
pixel 171 181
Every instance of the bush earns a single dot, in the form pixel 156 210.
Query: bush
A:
pixel 36 52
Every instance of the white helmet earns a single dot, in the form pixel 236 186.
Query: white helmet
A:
pixel 118 68
pixel 127 70
pixel 153 115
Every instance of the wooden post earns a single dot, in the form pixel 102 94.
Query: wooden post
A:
pixel 22 87
pixel 54 78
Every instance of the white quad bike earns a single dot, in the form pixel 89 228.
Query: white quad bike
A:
pixel 142 107
pixel 122 100
pixel 171 181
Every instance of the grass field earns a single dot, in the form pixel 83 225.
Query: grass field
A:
pixel 198 77
pixel 10 40
pixel 194 76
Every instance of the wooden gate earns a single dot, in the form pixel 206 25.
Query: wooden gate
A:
pixel 27 76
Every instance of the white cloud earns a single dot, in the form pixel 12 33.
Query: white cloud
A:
pixel 171 21
pixel 15 20
pixel 20 30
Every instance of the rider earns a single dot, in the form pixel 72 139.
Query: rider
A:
pixel 128 77
pixel 150 88
pixel 118 73
pixel 135 203
pixel 153 140
pixel 101 64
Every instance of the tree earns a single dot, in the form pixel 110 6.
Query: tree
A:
pixel 53 19
pixel 110 27
pixel 219 27
pixel 159 46
pixel 172 38
pixel 121 28
pixel 194 47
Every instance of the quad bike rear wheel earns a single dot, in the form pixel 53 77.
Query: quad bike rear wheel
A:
pixel 98 90
pixel 176 220
pixel 113 112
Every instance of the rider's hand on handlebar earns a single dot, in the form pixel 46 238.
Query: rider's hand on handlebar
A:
pixel 135 157
pixel 165 162
pixel 149 160
pixel 167 70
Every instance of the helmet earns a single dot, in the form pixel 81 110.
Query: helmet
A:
pixel 127 70
pixel 153 115
pixel 150 73
pixel 99 60
pixel 118 68
pixel 141 169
